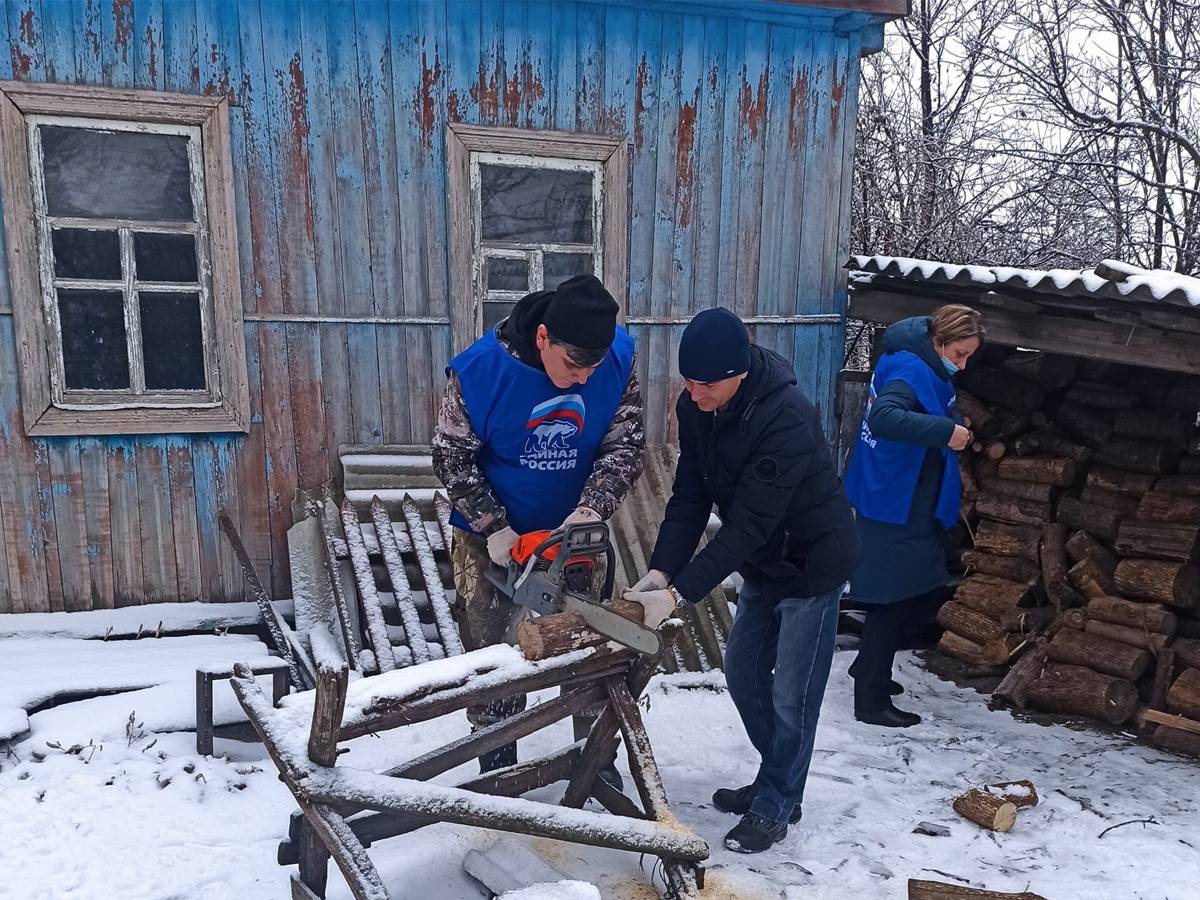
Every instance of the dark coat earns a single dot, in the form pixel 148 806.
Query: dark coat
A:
pixel 785 521
pixel 902 561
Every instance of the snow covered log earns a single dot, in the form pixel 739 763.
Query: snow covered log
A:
pixel 1021 794
pixel 1101 654
pixel 552 635
pixel 986 810
pixel 1174 584
pixel 1077 690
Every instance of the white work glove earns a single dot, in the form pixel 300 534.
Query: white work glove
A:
pixel 581 516
pixel 654 580
pixel 657 606
pixel 499 546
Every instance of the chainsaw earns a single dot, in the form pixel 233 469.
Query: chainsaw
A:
pixel 554 571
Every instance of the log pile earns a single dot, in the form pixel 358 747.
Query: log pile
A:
pixel 1082 494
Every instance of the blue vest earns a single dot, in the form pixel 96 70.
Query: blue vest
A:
pixel 883 474
pixel 539 441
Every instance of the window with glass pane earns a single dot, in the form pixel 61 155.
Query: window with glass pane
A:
pixel 538 223
pixel 120 217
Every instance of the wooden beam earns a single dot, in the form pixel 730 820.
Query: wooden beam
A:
pixel 1175 352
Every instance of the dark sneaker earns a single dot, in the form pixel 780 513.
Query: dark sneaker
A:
pixel 888 717
pixel 754 834
pixel 610 776
pixel 737 801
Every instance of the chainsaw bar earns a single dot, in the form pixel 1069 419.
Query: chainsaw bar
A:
pixel 615 626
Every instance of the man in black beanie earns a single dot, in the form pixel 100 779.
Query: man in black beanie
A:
pixel 540 426
pixel 751 444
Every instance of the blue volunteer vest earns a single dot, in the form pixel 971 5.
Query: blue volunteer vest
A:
pixel 883 474
pixel 539 441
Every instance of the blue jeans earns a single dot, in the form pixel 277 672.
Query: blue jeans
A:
pixel 776 665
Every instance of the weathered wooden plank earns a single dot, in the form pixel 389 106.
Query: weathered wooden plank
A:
pixel 160 581
pixel 365 384
pixel 148 44
pixel 589 97
pixel 25 40
pixel 181 54
pixel 280 447
pixel 58 42
pixel 536 63
pixel 781 43
pixel 434 590
pixel 184 533
pixel 335 384
pixel 125 520
pixel 70 527
pixel 208 536
pixel 219 49
pixel 43 481
pixel 116 44
pixel 308 404
pixel 93 467
pixel 431 154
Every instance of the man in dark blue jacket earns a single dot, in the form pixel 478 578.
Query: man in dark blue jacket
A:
pixel 751 443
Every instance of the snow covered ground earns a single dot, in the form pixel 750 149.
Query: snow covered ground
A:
pixel 141 816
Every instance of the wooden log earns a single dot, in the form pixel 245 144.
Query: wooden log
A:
pixel 1053 556
pixel 1081 546
pixel 1072 618
pixel 994 653
pixel 1187 651
pixel 1146 616
pixel 1079 690
pixel 1083 423
pixel 939 890
pixel 1184 695
pixel 1010 425
pixel 368 594
pixel 1012 568
pixel 994 596
pixel 1159 506
pixel 1004 390
pixel 1012 510
pixel 1158 540
pixel 1046 440
pixel 1101 654
pixel 327 713
pixel 1008 540
pixel 1138 456
pixel 1151 425
pixel 1022 794
pixel 1175 739
pixel 1026 621
pixel 1151 641
pixel 1024 490
pixel 1148 716
pixel 1090 579
pixel 1119 481
pixel 986 810
pixel 1122 503
pixel 1164 674
pixel 558 633
pixel 1100 521
pixel 977 414
pixel 1051 371
pixel 1101 396
pixel 968 623
pixel 1174 584
pixel 1055 470
pixel 990 449
pixel 1012 689
pixel 1187 485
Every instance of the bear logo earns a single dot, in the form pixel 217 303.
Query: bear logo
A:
pixel 551 435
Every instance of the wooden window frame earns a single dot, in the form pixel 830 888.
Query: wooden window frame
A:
pixel 464 143
pixel 48 410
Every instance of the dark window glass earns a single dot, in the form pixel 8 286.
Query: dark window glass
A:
pixel 116 174
pixel 82 253
pixel 558 267
pixel 172 343
pixel 93 339
pixel 494 312
pixel 506 274
pixel 551 206
pixel 165 257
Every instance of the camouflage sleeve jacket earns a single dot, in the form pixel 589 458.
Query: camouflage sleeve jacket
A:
pixel 455 447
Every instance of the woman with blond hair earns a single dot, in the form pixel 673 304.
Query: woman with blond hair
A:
pixel 903 482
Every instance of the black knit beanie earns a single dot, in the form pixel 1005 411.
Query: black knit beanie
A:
pixel 715 345
pixel 582 313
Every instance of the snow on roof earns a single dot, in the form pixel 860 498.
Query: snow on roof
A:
pixel 1110 278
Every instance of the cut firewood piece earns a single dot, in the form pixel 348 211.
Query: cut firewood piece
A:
pixel 1151 425
pixel 1101 396
pixel 1051 371
pixel 1174 739
pixel 1174 584
pixel 1053 555
pixel 986 810
pixel 1159 506
pixel 1011 424
pixel 990 449
pixel 1119 481
pixel 1091 426
pixel 1101 654
pixel 1026 621
pixel 1101 521
pixel 1021 794
pixel 1012 568
pixel 1187 485
pixel 1071 618
pixel 1151 641
pixel 1082 691
pixel 1164 674
pixel 1184 695
pixel 1187 651
pixel 1046 440
pixel 1158 540
pixel 1012 510
pixel 1008 540
pixel 1155 717
pixel 1081 546
pixel 558 633
pixel 978 415
pixel 1122 503
pixel 1090 579
pixel 1138 456
pixel 968 623
pixel 1146 616
pixel 994 653
pixel 941 890
pixel 1055 470
pixel 1002 389
pixel 994 596
pixel 1012 689
pixel 1024 490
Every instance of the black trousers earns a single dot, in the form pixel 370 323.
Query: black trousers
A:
pixel 886 627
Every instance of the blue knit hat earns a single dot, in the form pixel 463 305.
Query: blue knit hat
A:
pixel 715 345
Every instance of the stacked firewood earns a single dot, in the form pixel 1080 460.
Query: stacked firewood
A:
pixel 1083 489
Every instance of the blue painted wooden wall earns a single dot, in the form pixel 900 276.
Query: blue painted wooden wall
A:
pixel 741 125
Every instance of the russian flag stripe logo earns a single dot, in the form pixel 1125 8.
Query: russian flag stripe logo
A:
pixel 568 406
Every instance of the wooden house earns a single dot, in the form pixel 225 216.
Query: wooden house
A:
pixel 241 233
